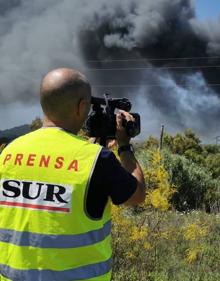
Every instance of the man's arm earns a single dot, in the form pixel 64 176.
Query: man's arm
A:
pixel 128 160
pixel 130 163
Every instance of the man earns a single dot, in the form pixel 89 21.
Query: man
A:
pixel 56 188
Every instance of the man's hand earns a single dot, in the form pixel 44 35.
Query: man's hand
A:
pixel 109 143
pixel 121 135
pixel 128 160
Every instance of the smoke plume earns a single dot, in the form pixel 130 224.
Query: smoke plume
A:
pixel 140 49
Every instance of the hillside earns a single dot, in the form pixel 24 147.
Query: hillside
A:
pixel 14 132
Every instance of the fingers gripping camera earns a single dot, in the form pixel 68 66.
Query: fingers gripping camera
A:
pixel 102 119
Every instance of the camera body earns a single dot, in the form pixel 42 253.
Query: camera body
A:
pixel 101 122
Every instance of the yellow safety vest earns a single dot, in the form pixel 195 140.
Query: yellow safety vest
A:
pixel 45 232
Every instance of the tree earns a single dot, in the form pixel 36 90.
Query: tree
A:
pixel 213 165
pixel 151 142
pixel 36 124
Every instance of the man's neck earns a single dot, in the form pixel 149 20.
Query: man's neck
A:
pixel 49 123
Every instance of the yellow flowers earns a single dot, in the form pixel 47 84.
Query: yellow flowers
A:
pixel 195 231
pixel 138 233
pixel 147 246
pixel 120 222
pixel 130 255
pixel 158 200
pixel 158 180
pixel 192 254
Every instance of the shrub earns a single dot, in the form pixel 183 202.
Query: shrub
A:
pixel 194 183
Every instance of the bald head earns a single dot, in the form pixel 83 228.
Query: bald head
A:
pixel 61 91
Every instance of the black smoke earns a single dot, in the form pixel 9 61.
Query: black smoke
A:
pixel 153 30
pixel 125 48
pixel 164 35
pixel 8 6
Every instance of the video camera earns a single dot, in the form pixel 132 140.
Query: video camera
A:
pixel 101 122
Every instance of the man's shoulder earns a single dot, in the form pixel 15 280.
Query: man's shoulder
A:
pixel 19 139
pixel 14 144
pixel 106 162
pixel 106 156
pixel 106 153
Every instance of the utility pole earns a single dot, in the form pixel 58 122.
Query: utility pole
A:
pixel 161 137
pixel 217 139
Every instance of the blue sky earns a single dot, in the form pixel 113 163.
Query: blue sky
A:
pixel 207 9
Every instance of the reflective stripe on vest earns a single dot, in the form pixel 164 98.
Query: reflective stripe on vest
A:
pixel 80 273
pixel 55 241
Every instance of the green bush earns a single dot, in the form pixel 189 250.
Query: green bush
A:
pixel 195 185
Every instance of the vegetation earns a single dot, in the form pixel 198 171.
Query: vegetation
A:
pixel 36 124
pixel 174 236
pixel 160 245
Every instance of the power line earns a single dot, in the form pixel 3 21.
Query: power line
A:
pixel 139 85
pixel 150 59
pixel 152 67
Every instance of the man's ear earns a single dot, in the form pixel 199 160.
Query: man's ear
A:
pixel 81 107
